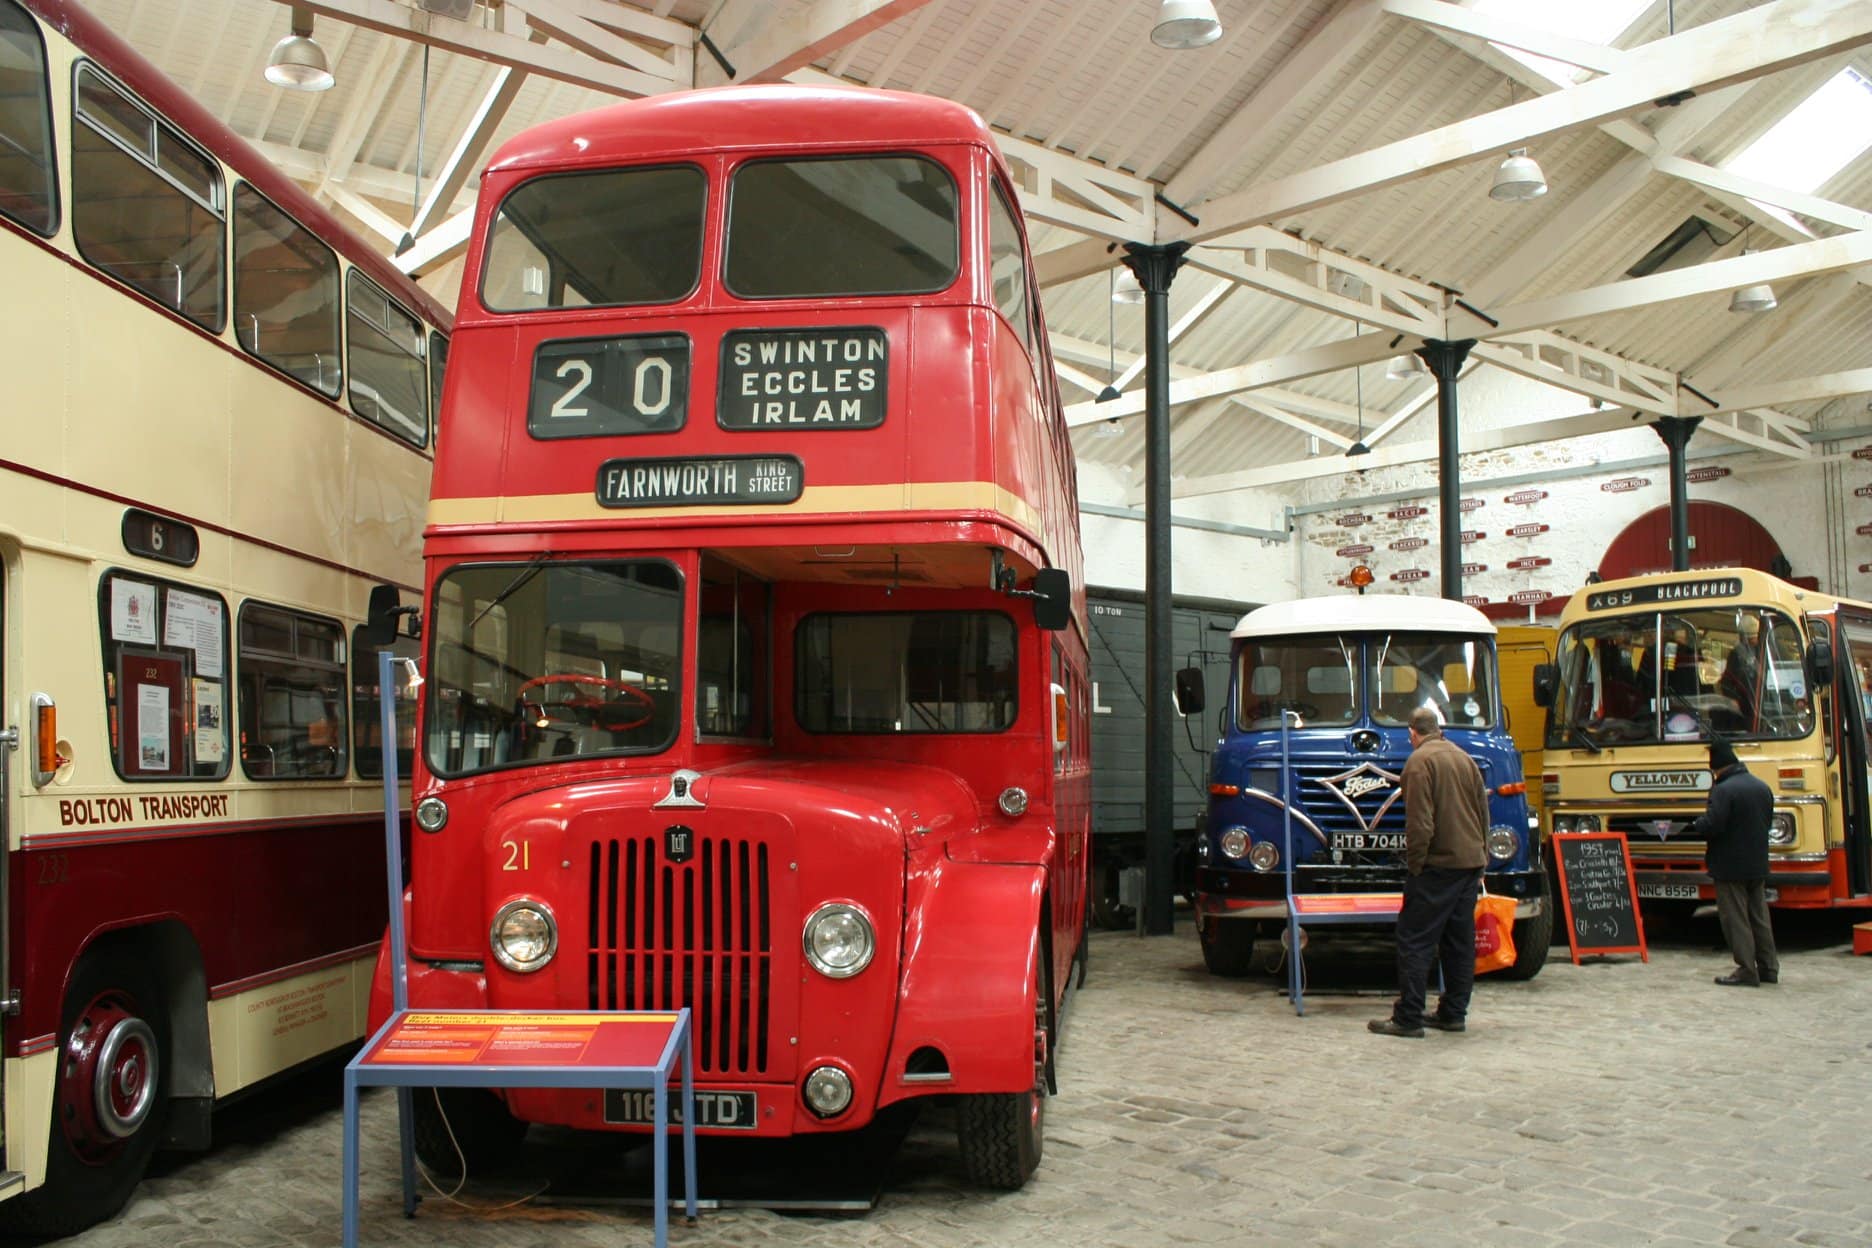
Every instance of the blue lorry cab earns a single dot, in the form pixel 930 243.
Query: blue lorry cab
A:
pixel 1345 674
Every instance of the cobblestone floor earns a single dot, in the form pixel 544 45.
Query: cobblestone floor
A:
pixel 1612 1103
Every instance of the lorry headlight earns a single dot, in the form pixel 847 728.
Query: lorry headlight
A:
pixel 828 1091
pixel 524 935
pixel 1586 823
pixel 838 940
pixel 1781 828
pixel 1562 824
pixel 1502 842
pixel 1235 844
pixel 1264 856
pixel 432 814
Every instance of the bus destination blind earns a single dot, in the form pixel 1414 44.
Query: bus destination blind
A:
pixel 815 378
pixel 1671 591
pixel 678 481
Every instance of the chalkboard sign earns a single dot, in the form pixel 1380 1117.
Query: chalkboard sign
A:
pixel 1596 891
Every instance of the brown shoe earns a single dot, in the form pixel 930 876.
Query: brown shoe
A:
pixel 1391 1027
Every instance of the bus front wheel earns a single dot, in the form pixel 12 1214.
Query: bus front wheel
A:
pixel 463 1129
pixel 1000 1134
pixel 109 1100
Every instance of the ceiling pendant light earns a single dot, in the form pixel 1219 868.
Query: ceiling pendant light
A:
pixel 1518 178
pixel 1358 447
pixel 1126 289
pixel 1403 367
pixel 1186 24
pixel 297 62
pixel 1110 391
pixel 1757 298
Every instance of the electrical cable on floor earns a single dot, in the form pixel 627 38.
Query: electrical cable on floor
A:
pixel 450 1197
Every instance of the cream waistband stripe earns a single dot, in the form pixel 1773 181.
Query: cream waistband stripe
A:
pixel 822 499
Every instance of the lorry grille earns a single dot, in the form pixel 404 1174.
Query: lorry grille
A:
pixel 698 933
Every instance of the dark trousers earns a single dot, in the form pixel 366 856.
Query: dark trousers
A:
pixel 1742 905
pixel 1437 924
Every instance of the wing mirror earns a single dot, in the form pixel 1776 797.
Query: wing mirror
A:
pixel 383 616
pixel 1052 595
pixel 1189 691
pixel 1546 675
pixel 1820 662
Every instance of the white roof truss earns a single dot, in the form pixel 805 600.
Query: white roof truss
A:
pixel 768 49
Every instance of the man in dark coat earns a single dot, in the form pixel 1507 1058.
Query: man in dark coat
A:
pixel 1445 823
pixel 1734 830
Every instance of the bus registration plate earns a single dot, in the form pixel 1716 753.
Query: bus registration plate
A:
pixel 721 1111
pixel 1683 892
pixel 1368 840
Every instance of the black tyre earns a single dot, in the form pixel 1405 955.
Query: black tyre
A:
pixel 1107 914
pixel 1532 938
pixel 110 1100
pixel 1228 947
pixel 477 1124
pixel 1001 1134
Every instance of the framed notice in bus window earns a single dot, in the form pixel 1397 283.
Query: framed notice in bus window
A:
pixel 592 387
pixel 165 678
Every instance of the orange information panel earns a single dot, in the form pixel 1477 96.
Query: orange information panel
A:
pixel 1348 903
pixel 462 1038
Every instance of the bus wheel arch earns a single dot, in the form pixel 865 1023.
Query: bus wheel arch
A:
pixel 132 1037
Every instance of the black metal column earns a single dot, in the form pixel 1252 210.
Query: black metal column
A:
pixel 1445 359
pixel 1676 431
pixel 1155 268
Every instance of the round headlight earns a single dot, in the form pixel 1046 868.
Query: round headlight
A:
pixel 828 1091
pixel 1265 856
pixel 432 814
pixel 1235 843
pixel 838 940
pixel 1586 823
pixel 1781 828
pixel 1502 842
pixel 1562 824
pixel 524 936
pixel 1013 801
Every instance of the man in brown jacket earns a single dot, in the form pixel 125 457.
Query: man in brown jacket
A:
pixel 1445 823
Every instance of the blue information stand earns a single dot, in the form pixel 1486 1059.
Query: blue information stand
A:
pixel 489 1048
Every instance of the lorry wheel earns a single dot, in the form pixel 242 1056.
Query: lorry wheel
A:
pixel 471 1119
pixel 1532 938
pixel 1000 1134
pixel 1228 947
pixel 109 1100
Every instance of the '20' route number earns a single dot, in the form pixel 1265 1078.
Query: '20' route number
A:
pixel 652 372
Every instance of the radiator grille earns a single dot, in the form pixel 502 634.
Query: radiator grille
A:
pixel 699 933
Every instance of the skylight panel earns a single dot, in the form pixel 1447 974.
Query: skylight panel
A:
pixel 1591 21
pixel 1819 137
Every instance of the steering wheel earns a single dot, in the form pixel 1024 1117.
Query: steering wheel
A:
pixel 583 709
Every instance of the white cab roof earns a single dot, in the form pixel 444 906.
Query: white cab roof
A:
pixel 1363 613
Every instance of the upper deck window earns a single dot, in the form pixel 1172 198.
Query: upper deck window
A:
pixel 1686 676
pixel 907 672
pixel 622 236
pixel 146 205
pixel 28 191
pixel 285 293
pixel 1008 266
pixel 537 662
pixel 860 225
pixel 389 377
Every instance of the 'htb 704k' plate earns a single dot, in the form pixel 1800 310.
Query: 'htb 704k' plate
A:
pixel 1368 841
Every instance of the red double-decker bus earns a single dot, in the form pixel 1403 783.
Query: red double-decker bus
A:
pixel 755 662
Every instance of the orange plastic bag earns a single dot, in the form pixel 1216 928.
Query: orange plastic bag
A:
pixel 1494 933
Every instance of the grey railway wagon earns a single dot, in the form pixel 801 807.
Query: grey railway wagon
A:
pixel 1200 638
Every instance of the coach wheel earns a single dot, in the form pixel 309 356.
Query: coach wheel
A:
pixel 463 1127
pixel 110 1098
pixel 586 710
pixel 1001 1133
pixel 1228 946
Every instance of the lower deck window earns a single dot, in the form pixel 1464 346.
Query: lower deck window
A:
pixel 165 678
pixel 292 695
pixel 907 672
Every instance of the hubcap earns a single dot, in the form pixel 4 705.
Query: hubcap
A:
pixel 109 1077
